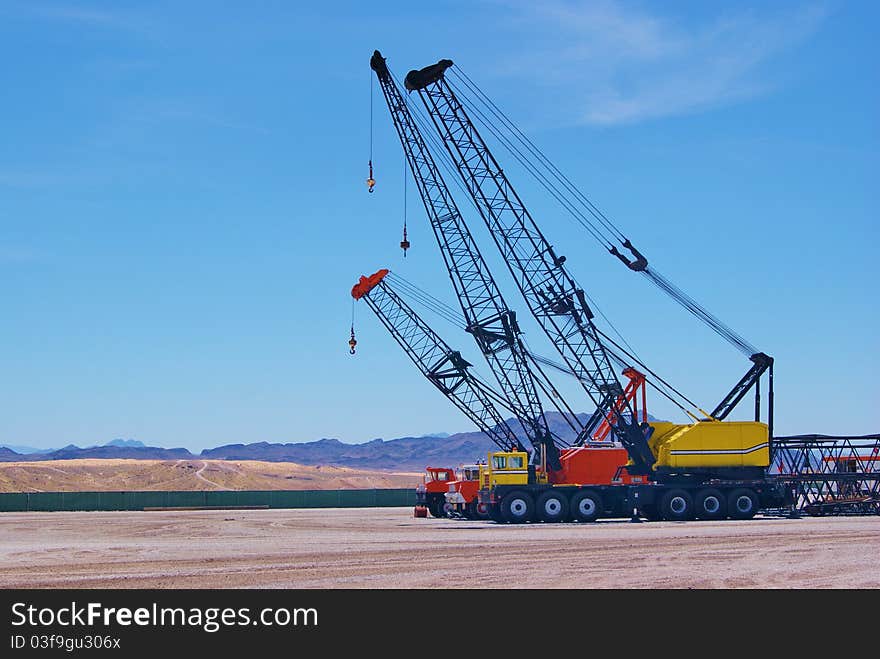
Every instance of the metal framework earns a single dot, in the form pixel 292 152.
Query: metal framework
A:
pixel 830 475
pixel 554 298
pixel 444 367
pixel 488 318
pixel 761 362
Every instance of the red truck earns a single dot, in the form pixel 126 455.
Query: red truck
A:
pixel 431 492
pixel 445 492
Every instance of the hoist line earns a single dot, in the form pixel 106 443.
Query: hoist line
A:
pixel 454 317
pixel 555 172
pixel 673 291
pixel 533 170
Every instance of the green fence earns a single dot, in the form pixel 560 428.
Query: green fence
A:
pixel 55 501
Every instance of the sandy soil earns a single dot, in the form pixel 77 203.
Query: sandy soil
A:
pixel 104 475
pixel 389 548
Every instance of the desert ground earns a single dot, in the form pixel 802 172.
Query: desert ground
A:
pixel 105 475
pixel 389 548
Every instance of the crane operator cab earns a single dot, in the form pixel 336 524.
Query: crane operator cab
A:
pixel 506 468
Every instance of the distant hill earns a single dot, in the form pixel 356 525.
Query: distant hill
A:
pixel 400 454
pixel 126 443
pixel 72 452
pixel 403 453
pixel 30 450
pixel 24 449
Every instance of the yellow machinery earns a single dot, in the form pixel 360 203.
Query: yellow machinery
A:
pixel 708 444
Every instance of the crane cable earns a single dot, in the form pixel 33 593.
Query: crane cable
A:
pixel 404 244
pixel 452 316
pixel 427 300
pixel 440 152
pixel 352 342
pixel 532 148
pixel 548 185
pixel 427 134
pixel 596 230
pixel 430 136
pixel 371 182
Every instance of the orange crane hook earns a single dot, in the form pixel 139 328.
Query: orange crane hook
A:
pixel 352 342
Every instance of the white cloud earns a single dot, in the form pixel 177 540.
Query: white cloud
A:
pixel 619 64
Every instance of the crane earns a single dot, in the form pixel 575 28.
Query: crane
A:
pixel 488 318
pixel 554 298
pixel 708 468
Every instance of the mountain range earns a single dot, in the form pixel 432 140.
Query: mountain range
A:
pixel 400 454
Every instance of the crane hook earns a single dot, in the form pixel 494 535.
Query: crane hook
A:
pixel 404 244
pixel 352 342
pixel 371 182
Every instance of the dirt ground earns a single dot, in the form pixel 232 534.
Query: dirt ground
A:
pixel 389 548
pixel 107 475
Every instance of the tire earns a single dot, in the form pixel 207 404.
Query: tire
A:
pixel 517 507
pixel 477 510
pixel 586 506
pixel 435 506
pixel 495 513
pixel 677 506
pixel 651 513
pixel 710 504
pixel 742 503
pixel 552 506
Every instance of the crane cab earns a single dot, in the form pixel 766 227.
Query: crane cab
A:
pixel 505 468
pixel 436 478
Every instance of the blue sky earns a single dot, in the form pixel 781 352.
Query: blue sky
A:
pixel 183 209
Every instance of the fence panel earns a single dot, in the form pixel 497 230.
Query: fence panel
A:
pixel 13 502
pixel 138 500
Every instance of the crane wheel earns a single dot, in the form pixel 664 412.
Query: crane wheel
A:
pixel 651 513
pixel 586 506
pixel 677 505
pixel 742 503
pixel 435 506
pixel 478 510
pixel 552 506
pixel 711 504
pixel 495 513
pixel 517 507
